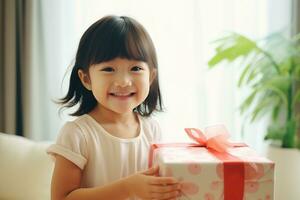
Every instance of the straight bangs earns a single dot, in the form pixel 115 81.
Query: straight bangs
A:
pixel 123 39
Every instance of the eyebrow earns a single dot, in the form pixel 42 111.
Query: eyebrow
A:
pixel 97 66
pixel 109 64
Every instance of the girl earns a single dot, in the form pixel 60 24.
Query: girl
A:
pixel 101 154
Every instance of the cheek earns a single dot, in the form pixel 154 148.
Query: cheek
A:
pixel 145 84
pixel 144 89
pixel 98 94
pixel 99 89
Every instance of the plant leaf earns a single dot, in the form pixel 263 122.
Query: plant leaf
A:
pixel 296 98
pixel 278 85
pixel 261 108
pixel 243 74
pixel 248 101
pixel 275 112
pixel 260 67
pixel 232 47
pixel 275 133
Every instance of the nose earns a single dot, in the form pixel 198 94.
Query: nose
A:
pixel 123 80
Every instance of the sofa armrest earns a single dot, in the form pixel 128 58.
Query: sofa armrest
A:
pixel 25 168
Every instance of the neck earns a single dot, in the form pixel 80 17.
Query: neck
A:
pixel 104 115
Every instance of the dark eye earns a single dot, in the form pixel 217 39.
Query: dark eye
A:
pixel 136 68
pixel 107 69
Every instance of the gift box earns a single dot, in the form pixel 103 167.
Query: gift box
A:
pixel 214 168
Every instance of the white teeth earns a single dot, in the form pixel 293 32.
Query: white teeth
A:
pixel 122 94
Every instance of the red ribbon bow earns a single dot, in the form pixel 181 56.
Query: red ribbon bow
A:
pixel 216 137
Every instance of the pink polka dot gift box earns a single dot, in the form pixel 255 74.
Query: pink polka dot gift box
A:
pixel 214 168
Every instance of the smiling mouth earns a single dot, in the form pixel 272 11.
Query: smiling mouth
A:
pixel 122 94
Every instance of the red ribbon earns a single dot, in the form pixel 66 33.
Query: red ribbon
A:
pixel 216 143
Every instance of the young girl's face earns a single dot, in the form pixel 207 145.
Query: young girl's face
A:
pixel 119 85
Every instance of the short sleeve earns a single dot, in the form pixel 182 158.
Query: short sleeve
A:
pixel 71 144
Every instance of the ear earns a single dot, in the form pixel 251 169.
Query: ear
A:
pixel 85 79
pixel 153 74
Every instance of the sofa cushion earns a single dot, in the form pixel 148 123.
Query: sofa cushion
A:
pixel 25 168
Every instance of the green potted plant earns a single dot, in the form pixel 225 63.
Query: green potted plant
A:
pixel 271 70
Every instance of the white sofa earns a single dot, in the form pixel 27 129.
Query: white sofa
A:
pixel 25 169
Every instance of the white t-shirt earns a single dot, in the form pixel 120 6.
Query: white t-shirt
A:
pixel 103 157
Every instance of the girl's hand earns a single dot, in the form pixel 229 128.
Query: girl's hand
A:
pixel 147 185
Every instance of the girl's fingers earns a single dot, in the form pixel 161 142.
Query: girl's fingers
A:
pixel 164 188
pixel 152 171
pixel 163 181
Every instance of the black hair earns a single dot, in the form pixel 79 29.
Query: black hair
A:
pixel 106 39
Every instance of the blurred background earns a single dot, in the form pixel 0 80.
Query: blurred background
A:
pixel 39 39
pixel 38 42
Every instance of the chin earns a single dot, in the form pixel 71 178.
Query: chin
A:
pixel 123 111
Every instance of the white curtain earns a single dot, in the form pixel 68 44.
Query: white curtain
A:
pixel 182 32
pixel 52 46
